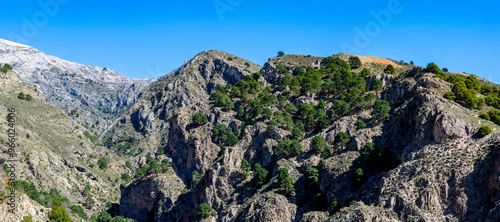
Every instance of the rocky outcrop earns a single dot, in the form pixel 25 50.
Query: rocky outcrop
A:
pixel 149 198
pixel 268 207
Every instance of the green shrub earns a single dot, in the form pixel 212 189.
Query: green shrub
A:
pixel 86 190
pixel 285 181
pixel 334 207
pixel 367 149
pixel 381 109
pixel 432 67
pixel 77 209
pixel 5 68
pixel 196 178
pixel 59 214
pixel 287 148
pixel 365 73
pixel 360 124
pixel 342 139
pixel 450 96
pixel 29 97
pixel 223 134
pixel 103 163
pixel 297 134
pixel 484 131
pixel 104 217
pixel 495 116
pixel 199 119
pixel 28 218
pixel 125 177
pixel 312 175
pixel 376 84
pixel 90 136
pixel 318 143
pixel 355 62
pixel 206 211
pixel 245 167
pixel 260 175
pixel 281 54
pixel 389 69
pixel 256 76
pixel 21 95
pixel 485 116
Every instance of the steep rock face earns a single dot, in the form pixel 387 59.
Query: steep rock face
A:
pixel 147 199
pixel 188 86
pixel 93 93
pixel 269 207
pixel 425 153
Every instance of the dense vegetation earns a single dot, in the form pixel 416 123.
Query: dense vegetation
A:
pixel 337 91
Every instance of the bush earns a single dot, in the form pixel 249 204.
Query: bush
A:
pixel 365 73
pixel 334 207
pixel 359 175
pixel 318 143
pixel 245 166
pixel 21 95
pixel 29 97
pixel 484 131
pixel 119 219
pixel 287 148
pixel 360 124
pixel 77 209
pixel 196 178
pixel 59 214
pixel 495 116
pixel 103 163
pixel 367 149
pixel 432 67
pixel 199 119
pixel 281 54
pixel 355 62
pixel 389 69
pixel 376 85
pixel 312 175
pixel 90 136
pixel 223 134
pixel 5 68
pixel 125 177
pixel 450 96
pixel 381 109
pixel 256 76
pixel 285 181
pixel 206 211
pixel 28 218
pixel 472 83
pixel 342 139
pixel 260 175
pixel 104 217
pixel 297 134
pixel 485 116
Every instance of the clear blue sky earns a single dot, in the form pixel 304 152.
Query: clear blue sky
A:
pixel 152 38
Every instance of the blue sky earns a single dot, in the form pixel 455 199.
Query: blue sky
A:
pixel 154 37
